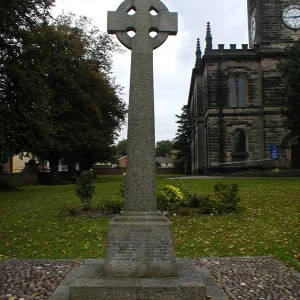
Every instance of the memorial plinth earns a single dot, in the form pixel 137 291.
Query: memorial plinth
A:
pixel 140 245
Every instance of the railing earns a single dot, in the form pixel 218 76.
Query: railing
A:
pixel 244 162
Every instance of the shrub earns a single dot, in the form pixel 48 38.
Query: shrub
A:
pixel 85 188
pixel 224 200
pixel 169 198
pixel 226 197
pixel 112 206
pixel 200 204
pixel 5 185
pixel 276 171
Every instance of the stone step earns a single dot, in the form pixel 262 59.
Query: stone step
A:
pixel 88 282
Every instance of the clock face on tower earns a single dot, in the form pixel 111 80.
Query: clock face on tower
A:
pixel 253 29
pixel 291 16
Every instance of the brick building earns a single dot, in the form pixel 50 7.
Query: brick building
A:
pixel 234 95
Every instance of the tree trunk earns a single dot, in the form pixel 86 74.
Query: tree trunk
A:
pixel 54 171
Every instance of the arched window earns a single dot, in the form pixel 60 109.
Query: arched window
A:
pixel 237 92
pixel 296 142
pixel 239 143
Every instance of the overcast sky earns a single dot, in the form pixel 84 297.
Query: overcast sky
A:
pixel 175 59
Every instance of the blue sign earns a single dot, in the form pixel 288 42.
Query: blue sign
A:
pixel 274 152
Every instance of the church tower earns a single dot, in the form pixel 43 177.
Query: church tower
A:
pixel 273 24
pixel 235 95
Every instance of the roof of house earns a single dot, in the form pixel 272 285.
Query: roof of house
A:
pixel 164 160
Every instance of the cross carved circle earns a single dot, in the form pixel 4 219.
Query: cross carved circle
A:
pixel 142 22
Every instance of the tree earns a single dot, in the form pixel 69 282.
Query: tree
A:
pixel 17 18
pixel 163 148
pixel 85 108
pixel 289 67
pixel 182 143
pixel 60 99
pixel 22 92
pixel 19 15
pixel 121 148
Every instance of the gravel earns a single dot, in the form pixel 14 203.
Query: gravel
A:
pixel 253 278
pixel 33 279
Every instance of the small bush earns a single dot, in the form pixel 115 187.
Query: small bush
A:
pixel 5 185
pixel 85 188
pixel 225 199
pixel 169 198
pixel 112 206
pixel 200 204
pixel 276 172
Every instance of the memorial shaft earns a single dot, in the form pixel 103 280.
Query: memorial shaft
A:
pixel 140 194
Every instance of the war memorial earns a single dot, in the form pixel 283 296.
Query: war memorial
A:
pixel 140 262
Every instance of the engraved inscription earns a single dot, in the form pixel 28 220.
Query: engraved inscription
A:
pixel 130 249
pixel 124 249
pixel 157 249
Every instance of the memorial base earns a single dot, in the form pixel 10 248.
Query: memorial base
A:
pixel 89 283
pixel 140 245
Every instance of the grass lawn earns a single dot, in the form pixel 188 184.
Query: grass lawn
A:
pixel 268 222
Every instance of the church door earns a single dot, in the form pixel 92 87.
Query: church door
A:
pixel 296 154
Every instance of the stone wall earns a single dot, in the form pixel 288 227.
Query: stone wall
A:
pixel 232 64
pixel 272 81
pixel 251 125
pixel 29 175
pixel 260 119
pixel 275 134
pixel 214 121
pixel 222 121
pixel 109 171
pixel 121 171
pixel 271 31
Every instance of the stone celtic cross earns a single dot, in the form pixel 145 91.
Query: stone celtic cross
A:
pixel 140 193
pixel 140 239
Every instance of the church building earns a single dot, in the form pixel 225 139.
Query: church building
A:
pixel 234 98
